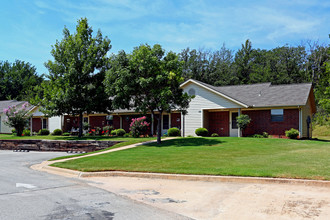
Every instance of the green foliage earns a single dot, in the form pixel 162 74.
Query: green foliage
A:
pixel 148 79
pixel 257 136
pixel 17 117
pixel 66 134
pixel 308 62
pixel 174 132
pixel 114 132
pixel 76 74
pixel 26 132
pixel 292 133
pixel 18 80
pixel 127 135
pixel 120 132
pixel 243 121
pixel 265 134
pixel 201 132
pixel 107 130
pixel 86 126
pixel 43 132
pixel 13 131
pixel 214 135
pixel 57 132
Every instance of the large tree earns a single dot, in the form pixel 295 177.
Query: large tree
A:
pixel 17 80
pixel 76 74
pixel 147 80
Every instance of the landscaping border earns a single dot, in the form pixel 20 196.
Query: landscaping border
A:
pixel 56 145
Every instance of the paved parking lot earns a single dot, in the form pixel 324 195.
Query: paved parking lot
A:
pixel 30 194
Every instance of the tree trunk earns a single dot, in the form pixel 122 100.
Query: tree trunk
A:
pixel 159 127
pixel 80 124
pixel 152 123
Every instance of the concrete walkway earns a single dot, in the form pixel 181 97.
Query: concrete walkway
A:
pixel 212 197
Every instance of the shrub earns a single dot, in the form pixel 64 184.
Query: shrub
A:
pixel 107 130
pixel 26 132
pixel 292 133
pixel 57 132
pixel 214 135
pixel 120 132
pixel 66 134
pixel 17 118
pixel 86 126
pixel 127 135
pixel 173 132
pixel 114 132
pixel 139 126
pixel 98 131
pixel 243 121
pixel 201 132
pixel 43 132
pixel 265 134
pixel 13 131
pixel 257 136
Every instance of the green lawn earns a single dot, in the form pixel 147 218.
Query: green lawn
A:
pixel 127 141
pixel 219 156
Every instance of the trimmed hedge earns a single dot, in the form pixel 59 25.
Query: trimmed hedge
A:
pixel 43 132
pixel 201 132
pixel 57 132
pixel 173 132
pixel 292 133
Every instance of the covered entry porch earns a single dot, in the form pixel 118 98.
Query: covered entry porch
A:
pixel 222 122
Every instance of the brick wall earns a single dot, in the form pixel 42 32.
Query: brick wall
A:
pixel 176 120
pixel 219 123
pixel 97 121
pixel 36 124
pixel 116 122
pixel 261 121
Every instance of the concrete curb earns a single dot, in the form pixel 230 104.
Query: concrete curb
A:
pixel 207 178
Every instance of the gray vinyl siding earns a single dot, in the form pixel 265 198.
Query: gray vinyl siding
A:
pixel 204 99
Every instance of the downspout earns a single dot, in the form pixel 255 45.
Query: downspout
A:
pixel 300 122
pixel 239 130
pixel 31 126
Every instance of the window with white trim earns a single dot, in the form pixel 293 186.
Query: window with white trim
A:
pixel 277 115
pixel 44 123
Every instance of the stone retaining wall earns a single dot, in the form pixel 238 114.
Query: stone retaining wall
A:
pixel 55 145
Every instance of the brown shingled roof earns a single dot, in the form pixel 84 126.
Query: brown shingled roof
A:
pixel 266 94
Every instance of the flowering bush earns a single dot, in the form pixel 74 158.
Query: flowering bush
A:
pixel 107 130
pixel 139 126
pixel 17 118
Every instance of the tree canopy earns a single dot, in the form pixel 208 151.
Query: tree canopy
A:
pixel 147 80
pixel 76 74
pixel 17 80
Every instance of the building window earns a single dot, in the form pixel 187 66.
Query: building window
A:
pixel 276 115
pixel 85 120
pixel 44 123
pixel 234 115
pixel 166 121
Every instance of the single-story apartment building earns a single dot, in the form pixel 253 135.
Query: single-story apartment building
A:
pixel 272 109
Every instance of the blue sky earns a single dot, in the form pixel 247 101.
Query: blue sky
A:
pixel 30 27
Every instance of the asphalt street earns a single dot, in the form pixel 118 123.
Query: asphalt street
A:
pixel 31 194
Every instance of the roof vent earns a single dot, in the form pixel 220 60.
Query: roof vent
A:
pixel 259 93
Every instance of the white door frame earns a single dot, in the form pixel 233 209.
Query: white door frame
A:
pixel 232 132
